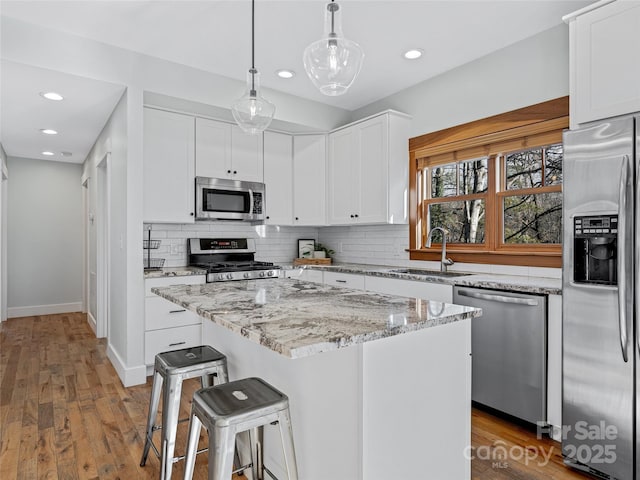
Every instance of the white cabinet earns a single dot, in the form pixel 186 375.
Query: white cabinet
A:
pixel 605 71
pixel 346 280
pixel 278 178
pixel 168 167
pixel 305 274
pixel 554 364
pixel 223 150
pixel 439 292
pixel 169 326
pixel 369 171
pixel 309 180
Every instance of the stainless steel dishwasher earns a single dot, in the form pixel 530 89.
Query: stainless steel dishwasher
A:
pixel 509 351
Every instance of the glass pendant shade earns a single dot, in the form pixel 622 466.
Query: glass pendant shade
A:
pixel 252 112
pixel 333 62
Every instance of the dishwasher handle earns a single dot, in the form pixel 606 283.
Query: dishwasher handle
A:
pixel 529 302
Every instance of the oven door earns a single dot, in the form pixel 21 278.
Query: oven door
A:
pixel 221 199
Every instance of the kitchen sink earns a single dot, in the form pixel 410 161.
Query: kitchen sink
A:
pixel 428 273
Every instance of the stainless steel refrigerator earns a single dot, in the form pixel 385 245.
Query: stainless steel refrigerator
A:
pixel 601 291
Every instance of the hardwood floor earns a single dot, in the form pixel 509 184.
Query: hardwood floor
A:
pixel 64 414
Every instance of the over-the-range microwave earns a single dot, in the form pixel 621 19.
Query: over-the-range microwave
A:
pixel 222 199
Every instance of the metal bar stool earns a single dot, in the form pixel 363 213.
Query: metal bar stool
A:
pixel 232 408
pixel 173 368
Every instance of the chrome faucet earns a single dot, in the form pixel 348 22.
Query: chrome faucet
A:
pixel 444 262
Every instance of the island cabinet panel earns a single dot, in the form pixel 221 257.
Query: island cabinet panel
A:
pixel 439 292
pixel 165 340
pixel 416 405
pixel 168 167
pixel 368 171
pixel 346 280
pixel 604 45
pixel 223 150
pixel 278 178
pixel 309 180
pixel 398 407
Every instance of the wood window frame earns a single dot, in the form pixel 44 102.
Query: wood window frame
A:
pixel 536 125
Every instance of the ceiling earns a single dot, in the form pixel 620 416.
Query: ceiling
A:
pixel 214 35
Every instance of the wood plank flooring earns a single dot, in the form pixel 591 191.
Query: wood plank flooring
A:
pixel 65 415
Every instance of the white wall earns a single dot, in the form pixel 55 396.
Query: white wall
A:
pixel 125 337
pixel 4 184
pixel 44 237
pixel 528 72
pixel 273 243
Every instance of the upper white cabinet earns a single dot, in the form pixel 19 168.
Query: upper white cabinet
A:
pixel 278 178
pixel 168 167
pixel 223 150
pixel 369 171
pixel 309 180
pixel 605 71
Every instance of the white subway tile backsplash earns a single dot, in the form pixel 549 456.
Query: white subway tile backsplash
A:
pixel 273 243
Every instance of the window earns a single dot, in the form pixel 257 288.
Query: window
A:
pixel 495 187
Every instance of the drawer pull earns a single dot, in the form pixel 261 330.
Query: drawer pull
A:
pixel 341 281
pixel 176 344
pixel 177 311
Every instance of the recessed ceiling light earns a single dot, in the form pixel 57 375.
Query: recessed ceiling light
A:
pixel 412 54
pixel 66 154
pixel 48 154
pixel 284 73
pixel 48 131
pixel 51 96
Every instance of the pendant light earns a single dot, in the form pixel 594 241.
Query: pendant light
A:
pixel 333 62
pixel 252 112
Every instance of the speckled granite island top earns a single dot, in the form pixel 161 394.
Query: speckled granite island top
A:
pixel 298 319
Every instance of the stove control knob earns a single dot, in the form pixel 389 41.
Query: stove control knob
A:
pixel 262 274
pixel 229 276
pixel 246 275
pixel 220 276
pixel 270 273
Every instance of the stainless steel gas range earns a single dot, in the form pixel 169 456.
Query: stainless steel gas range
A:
pixel 228 259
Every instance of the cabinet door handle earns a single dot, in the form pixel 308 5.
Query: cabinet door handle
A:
pixel 341 281
pixel 176 344
pixel 356 215
pixel 228 171
pixel 297 218
pixel 351 216
pixel 177 311
pixel 235 172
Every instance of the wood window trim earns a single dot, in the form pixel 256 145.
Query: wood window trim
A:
pixel 540 123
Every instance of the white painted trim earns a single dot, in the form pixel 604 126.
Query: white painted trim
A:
pixel 15 312
pixel 91 321
pixel 128 376
pixel 103 264
pixel 5 172
pixel 569 17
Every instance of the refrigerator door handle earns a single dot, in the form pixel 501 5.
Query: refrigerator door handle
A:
pixel 636 278
pixel 622 254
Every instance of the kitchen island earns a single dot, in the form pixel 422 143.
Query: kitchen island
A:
pixel 395 404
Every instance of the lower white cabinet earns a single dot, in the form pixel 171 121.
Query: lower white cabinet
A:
pixel 410 288
pixel 554 364
pixel 167 325
pixel 346 280
pixel 306 275
pixel 168 339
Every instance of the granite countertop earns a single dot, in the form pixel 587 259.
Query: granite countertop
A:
pixel 299 319
pixel 174 272
pixel 515 283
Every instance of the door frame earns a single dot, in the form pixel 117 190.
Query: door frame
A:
pixel 103 245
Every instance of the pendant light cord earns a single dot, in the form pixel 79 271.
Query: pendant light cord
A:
pixel 253 49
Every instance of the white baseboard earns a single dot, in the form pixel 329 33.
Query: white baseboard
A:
pixel 92 323
pixel 129 376
pixel 14 312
